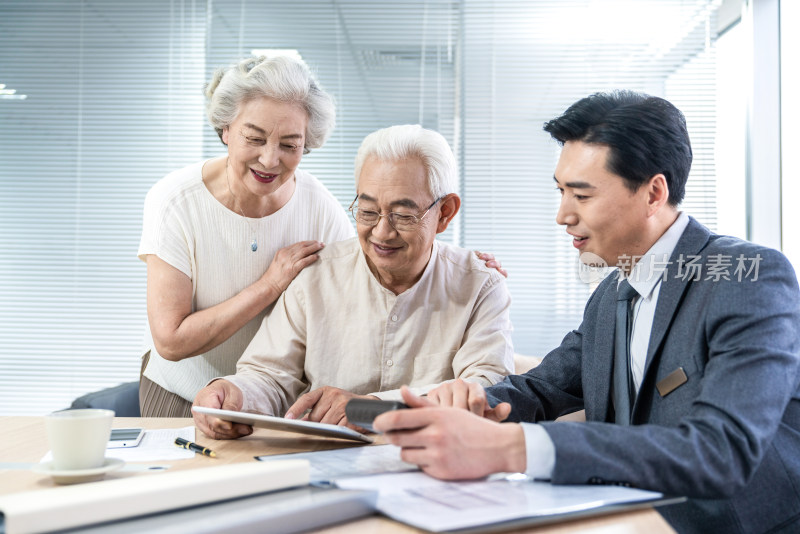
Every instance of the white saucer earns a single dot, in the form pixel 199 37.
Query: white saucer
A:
pixel 79 475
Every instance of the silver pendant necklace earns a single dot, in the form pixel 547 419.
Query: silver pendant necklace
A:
pixel 254 243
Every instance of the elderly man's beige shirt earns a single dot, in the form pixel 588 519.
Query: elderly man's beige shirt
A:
pixel 337 326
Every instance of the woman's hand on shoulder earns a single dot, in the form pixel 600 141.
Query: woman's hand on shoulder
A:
pixel 492 262
pixel 288 262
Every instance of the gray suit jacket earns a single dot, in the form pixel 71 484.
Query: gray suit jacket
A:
pixel 729 437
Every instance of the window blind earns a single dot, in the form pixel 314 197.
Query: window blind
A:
pixel 117 105
pixel 524 63
pixel 114 102
pixel 112 105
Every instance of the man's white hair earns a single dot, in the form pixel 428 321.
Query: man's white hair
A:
pixel 413 141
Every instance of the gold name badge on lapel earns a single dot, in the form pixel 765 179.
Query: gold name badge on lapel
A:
pixel 671 382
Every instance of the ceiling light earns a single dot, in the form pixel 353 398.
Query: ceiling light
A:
pixel 10 94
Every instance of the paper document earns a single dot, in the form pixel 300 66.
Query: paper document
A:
pixel 155 445
pixel 408 495
pixel 427 503
pixel 355 461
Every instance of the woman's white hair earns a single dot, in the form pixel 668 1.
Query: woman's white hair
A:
pixel 280 78
pixel 410 141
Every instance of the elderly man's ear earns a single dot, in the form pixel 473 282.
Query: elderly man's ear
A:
pixel 448 207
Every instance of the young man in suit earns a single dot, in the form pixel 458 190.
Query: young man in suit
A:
pixel 690 388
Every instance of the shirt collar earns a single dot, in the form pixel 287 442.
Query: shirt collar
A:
pixel 649 270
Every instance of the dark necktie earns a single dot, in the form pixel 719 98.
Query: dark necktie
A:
pixel 623 390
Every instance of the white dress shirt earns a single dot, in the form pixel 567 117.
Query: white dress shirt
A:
pixel 645 278
pixel 336 325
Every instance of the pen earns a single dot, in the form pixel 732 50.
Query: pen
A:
pixel 186 444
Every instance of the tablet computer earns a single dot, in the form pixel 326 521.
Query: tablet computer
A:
pixel 286 425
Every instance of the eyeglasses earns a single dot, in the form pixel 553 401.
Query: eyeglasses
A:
pixel 399 221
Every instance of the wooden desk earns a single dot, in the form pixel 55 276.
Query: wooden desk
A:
pixel 24 440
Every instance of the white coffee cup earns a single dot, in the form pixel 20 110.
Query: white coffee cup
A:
pixel 78 438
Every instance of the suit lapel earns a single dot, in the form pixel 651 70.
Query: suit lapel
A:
pixel 693 240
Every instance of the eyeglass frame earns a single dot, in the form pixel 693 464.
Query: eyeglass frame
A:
pixel 417 218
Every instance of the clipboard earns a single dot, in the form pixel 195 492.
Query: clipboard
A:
pixel 286 425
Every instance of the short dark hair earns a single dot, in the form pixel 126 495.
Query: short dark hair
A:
pixel 646 135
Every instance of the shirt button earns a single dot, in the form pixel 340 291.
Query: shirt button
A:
pixel 389 363
pixel 394 318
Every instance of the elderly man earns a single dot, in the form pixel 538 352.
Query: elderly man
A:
pixel 392 307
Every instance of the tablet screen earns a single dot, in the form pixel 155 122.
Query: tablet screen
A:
pixel 287 425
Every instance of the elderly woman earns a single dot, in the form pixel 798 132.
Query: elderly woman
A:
pixel 392 307
pixel 223 238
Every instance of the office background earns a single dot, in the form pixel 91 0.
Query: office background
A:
pixel 101 98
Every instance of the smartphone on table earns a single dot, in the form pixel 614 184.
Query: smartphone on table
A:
pixel 125 437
